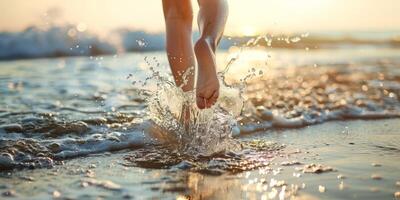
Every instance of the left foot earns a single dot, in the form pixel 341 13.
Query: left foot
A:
pixel 207 87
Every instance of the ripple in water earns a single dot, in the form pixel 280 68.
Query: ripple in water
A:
pixel 253 155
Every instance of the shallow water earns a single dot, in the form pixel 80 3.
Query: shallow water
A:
pixel 353 155
pixel 54 109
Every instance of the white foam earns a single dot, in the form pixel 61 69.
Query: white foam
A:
pixel 55 41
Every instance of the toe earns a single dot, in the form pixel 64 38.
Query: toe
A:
pixel 215 96
pixel 200 101
pixel 213 99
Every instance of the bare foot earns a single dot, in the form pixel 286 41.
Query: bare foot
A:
pixel 207 87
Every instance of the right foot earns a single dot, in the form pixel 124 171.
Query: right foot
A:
pixel 207 87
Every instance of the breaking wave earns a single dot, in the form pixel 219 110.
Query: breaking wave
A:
pixel 67 40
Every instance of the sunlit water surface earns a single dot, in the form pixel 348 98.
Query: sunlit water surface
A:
pixel 54 109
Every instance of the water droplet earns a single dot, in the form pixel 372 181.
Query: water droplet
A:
pixel 321 189
pixel 376 177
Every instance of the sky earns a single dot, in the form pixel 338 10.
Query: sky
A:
pixel 247 17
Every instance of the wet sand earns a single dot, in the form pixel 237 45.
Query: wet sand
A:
pixel 359 160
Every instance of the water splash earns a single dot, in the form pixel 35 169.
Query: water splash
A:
pixel 196 131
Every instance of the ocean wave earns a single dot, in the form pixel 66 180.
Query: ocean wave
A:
pixel 57 41
pixel 53 42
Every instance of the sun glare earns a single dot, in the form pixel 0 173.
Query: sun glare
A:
pixel 306 5
pixel 248 31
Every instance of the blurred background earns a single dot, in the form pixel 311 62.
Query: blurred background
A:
pixel 77 78
pixel 52 28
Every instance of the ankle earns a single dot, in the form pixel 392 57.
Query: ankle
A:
pixel 204 43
